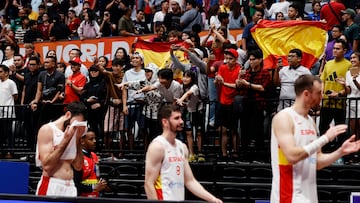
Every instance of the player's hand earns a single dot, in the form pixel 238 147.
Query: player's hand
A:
pixel 350 145
pixel 334 131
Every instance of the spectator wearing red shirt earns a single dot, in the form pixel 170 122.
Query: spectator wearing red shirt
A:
pixel 73 23
pixel 44 27
pixel 225 79
pixel 75 82
pixel 328 12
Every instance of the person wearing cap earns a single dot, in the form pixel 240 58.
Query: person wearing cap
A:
pixel 75 52
pixel 133 110
pixel 75 82
pixel 225 81
pixel 351 29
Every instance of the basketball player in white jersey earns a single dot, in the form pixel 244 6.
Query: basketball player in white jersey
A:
pixel 167 169
pixel 296 148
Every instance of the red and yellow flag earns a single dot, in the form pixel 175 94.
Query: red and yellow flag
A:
pixel 159 54
pixel 277 38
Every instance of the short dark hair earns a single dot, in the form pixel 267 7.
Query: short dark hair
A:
pixel 78 50
pixel 166 74
pixel 166 110
pixel 222 16
pixel 343 43
pixel 257 53
pixel 35 58
pixel 5 68
pixel 340 27
pixel 116 62
pixel 53 58
pixel 305 82
pixel 191 2
pixel 298 52
pixel 77 108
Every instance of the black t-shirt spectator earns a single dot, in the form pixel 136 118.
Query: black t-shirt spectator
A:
pixel 172 21
pixel 141 27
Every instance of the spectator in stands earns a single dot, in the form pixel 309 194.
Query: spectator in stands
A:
pixel 172 18
pixel 74 6
pixel 5 22
pixel 75 83
pixel 332 107
pixel 49 87
pixel 33 15
pixel 352 29
pixel 73 22
pixel 107 28
pixel 336 32
pixel 213 16
pixel 252 85
pixel 20 31
pixel 116 9
pixel 33 34
pixel 59 30
pixel 61 66
pixel 159 16
pixel 331 14
pixel 286 76
pixel 153 100
pixel 349 50
pixel 9 55
pixel 83 69
pixel 51 52
pixel 29 52
pixel 17 23
pixel 294 143
pixel 225 119
pixel 89 28
pixel 141 27
pixel 114 118
pixel 9 94
pixel 351 83
pixel 124 57
pixel 169 89
pixel 316 7
pixel 237 18
pixel 41 11
pixel 357 10
pixel 160 31
pixel 56 8
pixel 224 19
pixel 248 42
pixel 166 145
pixel 59 152
pixel 191 16
pixel 94 95
pixel 281 6
pixel 44 27
pixel 193 96
pixel 17 72
pixel 225 6
pixel 126 26
pixel 279 16
pixel 104 62
pixel 295 12
pixel 133 102
pixel 28 95
pixel 87 180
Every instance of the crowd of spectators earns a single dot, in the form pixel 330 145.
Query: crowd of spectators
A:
pixel 123 90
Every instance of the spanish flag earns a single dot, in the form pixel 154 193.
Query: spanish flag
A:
pixel 277 38
pixel 159 54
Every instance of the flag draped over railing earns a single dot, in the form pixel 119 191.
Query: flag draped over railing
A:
pixel 277 38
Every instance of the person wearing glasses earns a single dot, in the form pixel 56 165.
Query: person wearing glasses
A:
pixel 286 76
